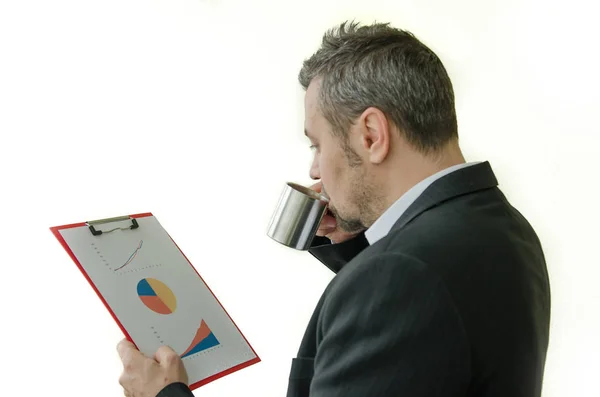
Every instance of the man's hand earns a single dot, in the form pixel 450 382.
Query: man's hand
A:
pixel 328 226
pixel 146 377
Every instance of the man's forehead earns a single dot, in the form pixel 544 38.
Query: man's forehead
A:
pixel 311 110
pixel 311 97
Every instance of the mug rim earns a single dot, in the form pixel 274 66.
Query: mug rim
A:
pixel 308 191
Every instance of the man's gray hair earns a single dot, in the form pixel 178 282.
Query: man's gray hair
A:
pixel 387 68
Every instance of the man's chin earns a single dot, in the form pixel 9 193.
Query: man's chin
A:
pixel 350 227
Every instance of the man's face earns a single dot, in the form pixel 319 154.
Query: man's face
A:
pixel 341 171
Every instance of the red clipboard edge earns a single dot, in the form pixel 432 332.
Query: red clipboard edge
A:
pixel 56 231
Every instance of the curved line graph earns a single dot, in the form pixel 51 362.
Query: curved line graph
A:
pixel 132 256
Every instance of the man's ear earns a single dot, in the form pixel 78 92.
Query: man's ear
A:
pixel 375 135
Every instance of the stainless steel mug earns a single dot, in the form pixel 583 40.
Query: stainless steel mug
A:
pixel 297 216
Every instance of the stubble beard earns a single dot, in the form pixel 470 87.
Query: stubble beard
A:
pixel 361 200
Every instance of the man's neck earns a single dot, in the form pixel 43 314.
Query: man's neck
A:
pixel 414 168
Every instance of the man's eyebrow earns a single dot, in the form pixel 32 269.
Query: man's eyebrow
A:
pixel 307 133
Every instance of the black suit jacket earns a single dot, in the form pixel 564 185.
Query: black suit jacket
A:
pixel 454 301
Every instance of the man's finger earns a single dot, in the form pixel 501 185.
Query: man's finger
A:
pixel 326 231
pixel 124 346
pixel 317 187
pixel 328 222
pixel 165 354
pixel 127 350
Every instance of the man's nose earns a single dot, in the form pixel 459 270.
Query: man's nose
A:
pixel 314 172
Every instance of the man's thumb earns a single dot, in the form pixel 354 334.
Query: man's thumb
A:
pixel 317 187
pixel 165 354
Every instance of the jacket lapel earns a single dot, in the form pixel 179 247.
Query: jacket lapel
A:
pixel 335 256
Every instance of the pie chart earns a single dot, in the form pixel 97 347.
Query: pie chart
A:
pixel 156 296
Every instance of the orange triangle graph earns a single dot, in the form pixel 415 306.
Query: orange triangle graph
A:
pixel 203 340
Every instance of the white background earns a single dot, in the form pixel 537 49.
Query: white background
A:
pixel 191 110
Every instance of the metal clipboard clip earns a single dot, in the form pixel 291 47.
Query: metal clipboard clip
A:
pixel 95 232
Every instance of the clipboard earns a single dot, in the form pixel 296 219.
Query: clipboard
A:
pixel 155 295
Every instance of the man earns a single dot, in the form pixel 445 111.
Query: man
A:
pixel 441 287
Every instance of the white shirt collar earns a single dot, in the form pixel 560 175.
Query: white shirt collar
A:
pixel 386 221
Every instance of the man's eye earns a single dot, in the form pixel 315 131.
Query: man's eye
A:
pixel 314 147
